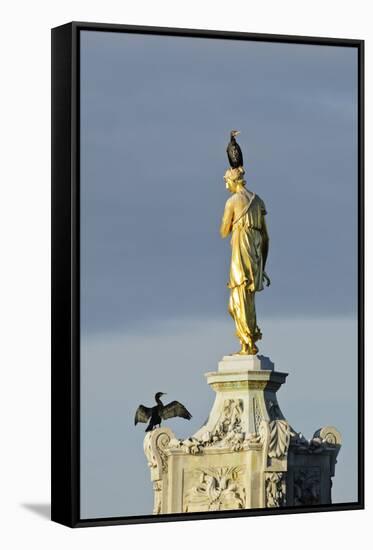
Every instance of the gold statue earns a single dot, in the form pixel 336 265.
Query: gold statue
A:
pixel 244 217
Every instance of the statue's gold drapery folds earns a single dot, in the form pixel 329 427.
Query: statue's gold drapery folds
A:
pixel 244 218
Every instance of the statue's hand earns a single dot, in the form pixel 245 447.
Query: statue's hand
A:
pixel 266 278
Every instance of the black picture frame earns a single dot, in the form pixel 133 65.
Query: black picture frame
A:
pixel 65 460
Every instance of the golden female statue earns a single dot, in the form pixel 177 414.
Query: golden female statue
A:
pixel 244 218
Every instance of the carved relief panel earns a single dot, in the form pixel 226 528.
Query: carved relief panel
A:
pixel 214 488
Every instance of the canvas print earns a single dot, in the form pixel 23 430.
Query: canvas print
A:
pixel 218 274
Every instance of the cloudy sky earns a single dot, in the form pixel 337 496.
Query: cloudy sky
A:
pixel 155 119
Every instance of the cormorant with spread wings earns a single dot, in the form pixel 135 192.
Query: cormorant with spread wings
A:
pixel 160 412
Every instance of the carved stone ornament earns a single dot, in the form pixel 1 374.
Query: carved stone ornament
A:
pixel 155 444
pixel 216 489
pixel 157 488
pixel 227 432
pixel 279 438
pixel 275 489
pixel 306 486
pixel 323 439
pixel 258 418
pixel 274 411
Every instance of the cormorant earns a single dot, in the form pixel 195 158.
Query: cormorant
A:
pixel 234 151
pixel 160 412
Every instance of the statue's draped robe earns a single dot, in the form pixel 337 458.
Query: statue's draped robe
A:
pixel 244 217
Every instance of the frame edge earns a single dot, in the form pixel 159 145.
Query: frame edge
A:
pixel 64 426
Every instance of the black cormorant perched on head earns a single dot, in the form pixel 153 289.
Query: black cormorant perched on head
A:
pixel 234 151
pixel 160 412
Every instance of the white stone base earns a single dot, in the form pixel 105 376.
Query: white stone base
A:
pixel 244 363
pixel 246 455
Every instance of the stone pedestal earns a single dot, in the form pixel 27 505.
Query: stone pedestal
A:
pixel 246 455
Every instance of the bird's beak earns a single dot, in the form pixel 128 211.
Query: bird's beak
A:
pixel 237 132
pixel 164 393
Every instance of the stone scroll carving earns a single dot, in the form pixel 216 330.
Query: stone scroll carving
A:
pixel 327 438
pixel 155 445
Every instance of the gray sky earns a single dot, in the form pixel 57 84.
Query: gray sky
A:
pixel 155 119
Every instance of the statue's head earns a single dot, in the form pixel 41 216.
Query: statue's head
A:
pixel 234 177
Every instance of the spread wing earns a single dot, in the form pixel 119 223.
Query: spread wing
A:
pixel 142 414
pixel 175 409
